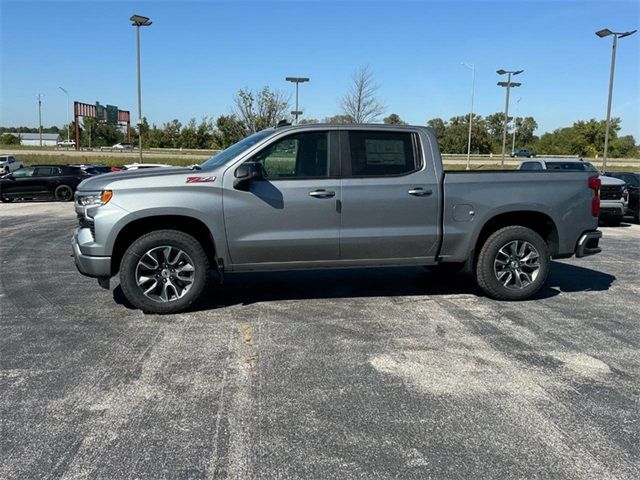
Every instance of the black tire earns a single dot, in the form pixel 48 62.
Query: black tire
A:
pixel 63 193
pixel 486 276
pixel 161 238
pixel 6 199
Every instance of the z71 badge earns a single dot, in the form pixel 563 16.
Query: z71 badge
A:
pixel 199 179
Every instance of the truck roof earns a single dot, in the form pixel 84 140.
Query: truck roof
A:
pixel 350 126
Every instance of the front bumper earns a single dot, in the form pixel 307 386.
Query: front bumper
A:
pixel 588 244
pixel 612 209
pixel 97 267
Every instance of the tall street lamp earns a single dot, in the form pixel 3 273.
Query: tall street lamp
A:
pixel 473 86
pixel 139 21
pixel 297 81
pixel 68 125
pixel 616 35
pixel 515 126
pixel 508 84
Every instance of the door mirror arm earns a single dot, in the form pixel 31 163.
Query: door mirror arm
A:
pixel 247 172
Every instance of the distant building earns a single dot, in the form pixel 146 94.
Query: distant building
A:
pixel 33 139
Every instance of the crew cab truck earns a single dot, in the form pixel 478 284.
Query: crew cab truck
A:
pixel 329 196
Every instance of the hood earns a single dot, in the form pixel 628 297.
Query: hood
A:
pixel 100 182
pixel 610 181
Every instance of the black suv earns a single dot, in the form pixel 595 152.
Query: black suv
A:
pixel 38 181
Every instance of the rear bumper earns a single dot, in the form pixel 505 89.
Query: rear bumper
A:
pixel 97 267
pixel 588 244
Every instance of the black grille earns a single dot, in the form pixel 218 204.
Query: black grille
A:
pixel 611 192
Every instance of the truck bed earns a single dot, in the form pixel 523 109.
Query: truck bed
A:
pixel 471 199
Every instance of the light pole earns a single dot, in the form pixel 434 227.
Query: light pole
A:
pixel 616 35
pixel 297 81
pixel 39 97
pixel 139 21
pixel 68 125
pixel 515 126
pixel 473 87
pixel 508 84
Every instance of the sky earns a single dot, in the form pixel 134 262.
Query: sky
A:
pixel 197 54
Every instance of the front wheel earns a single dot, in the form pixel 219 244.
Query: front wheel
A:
pixel 63 193
pixel 164 271
pixel 513 263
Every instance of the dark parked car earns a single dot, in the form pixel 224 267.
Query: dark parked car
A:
pixel 633 185
pixel 39 181
pixel 93 168
pixel 522 153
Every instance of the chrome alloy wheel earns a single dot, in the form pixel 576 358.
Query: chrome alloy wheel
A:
pixel 517 264
pixel 165 274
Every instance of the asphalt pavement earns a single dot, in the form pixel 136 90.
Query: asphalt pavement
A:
pixel 364 373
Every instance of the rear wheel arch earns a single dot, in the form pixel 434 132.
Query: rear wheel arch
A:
pixel 139 227
pixel 539 222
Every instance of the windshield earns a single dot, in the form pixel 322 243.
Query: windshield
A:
pixel 235 149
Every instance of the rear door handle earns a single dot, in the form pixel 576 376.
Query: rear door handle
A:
pixel 419 192
pixel 321 193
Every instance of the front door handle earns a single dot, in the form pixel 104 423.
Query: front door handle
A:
pixel 419 192
pixel 321 193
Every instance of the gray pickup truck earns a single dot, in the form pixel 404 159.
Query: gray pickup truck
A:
pixel 329 196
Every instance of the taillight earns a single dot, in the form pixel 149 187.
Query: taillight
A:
pixel 594 184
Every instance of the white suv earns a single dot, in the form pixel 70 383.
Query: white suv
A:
pixel 9 163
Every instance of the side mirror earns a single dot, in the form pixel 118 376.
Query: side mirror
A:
pixel 245 173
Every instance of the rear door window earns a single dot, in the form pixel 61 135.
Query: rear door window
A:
pixel 45 171
pixel 380 154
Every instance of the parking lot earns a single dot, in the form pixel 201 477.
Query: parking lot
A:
pixel 382 373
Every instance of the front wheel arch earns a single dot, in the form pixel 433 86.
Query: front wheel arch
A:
pixel 139 227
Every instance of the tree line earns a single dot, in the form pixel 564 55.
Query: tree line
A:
pixel 255 110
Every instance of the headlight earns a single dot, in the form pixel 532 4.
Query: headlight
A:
pixel 93 199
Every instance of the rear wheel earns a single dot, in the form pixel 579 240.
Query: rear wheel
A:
pixel 6 199
pixel 513 263
pixel 63 193
pixel 164 271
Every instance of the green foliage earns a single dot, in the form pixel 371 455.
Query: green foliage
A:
pixel 394 119
pixel 52 129
pixel 453 135
pixel 439 126
pixel 8 139
pixel 624 147
pixel 494 124
pixel 260 109
pixel 586 138
pixel 96 134
pixel 229 131
pixel 339 119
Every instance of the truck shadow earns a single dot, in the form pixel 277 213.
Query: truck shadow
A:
pixel 248 288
